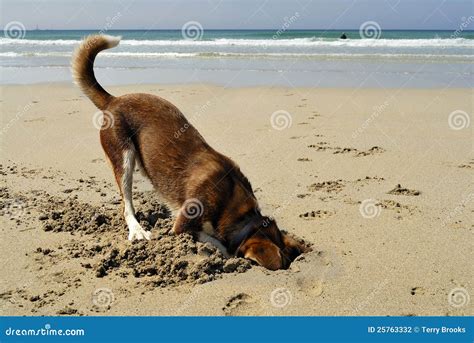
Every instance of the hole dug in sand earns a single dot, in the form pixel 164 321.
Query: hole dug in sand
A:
pixel 100 242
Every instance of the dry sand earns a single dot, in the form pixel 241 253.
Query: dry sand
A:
pixel 376 181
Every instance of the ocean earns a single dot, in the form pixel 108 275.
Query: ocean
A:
pixel 232 58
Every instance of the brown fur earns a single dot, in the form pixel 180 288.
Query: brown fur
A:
pixel 181 166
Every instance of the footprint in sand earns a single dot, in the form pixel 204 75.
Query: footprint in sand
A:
pixel 316 214
pixel 417 291
pixel 323 146
pixel 344 150
pixel 338 185
pixel 359 183
pixel 397 207
pixel 324 267
pixel 372 151
pixel 238 305
pixel 67 311
pixel 313 287
pixel 468 165
pixel 371 178
pixel 399 190
pixel 320 146
pixel 327 186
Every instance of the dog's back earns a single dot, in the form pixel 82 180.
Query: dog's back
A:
pixel 166 144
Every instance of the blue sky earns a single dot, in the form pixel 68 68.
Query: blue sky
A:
pixel 237 14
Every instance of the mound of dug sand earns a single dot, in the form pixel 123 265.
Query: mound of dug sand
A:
pixel 100 241
pixel 171 260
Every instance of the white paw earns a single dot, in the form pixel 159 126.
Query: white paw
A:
pixel 136 232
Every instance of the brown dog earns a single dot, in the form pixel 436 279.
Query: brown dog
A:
pixel 209 189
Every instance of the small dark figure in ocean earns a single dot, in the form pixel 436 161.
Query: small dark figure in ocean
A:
pixel 343 36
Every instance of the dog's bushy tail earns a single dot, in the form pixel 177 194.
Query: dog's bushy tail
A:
pixel 83 67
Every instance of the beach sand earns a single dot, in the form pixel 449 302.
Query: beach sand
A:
pixel 328 168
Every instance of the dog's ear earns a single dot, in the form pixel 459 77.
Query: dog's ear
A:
pixel 292 249
pixel 263 251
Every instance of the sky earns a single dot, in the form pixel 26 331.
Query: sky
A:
pixel 237 14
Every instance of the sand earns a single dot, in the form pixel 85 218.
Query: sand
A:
pixel 376 181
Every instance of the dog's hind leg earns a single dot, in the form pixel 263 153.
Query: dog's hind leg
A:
pixel 122 155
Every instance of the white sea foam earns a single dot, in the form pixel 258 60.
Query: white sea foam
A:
pixel 11 41
pixel 158 55
pixel 296 42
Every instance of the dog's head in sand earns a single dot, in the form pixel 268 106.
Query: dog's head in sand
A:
pixel 213 195
pixel 265 244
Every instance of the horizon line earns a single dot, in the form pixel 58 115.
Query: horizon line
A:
pixel 214 29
